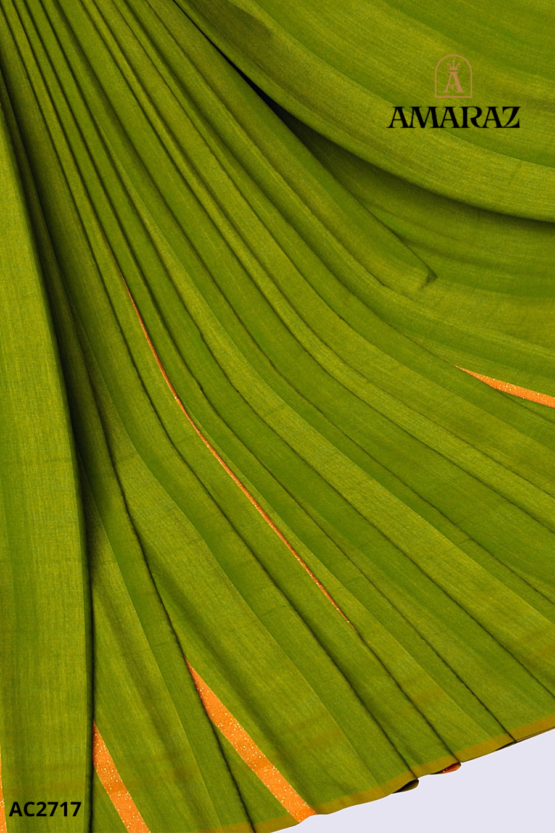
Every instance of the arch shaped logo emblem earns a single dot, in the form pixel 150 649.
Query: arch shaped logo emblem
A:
pixel 453 77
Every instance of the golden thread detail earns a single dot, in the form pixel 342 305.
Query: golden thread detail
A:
pixel 251 754
pixel 114 786
pixel 514 390
pixel 3 827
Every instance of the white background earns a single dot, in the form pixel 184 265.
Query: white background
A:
pixel 509 791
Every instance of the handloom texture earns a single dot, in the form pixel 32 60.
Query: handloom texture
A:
pixel 276 400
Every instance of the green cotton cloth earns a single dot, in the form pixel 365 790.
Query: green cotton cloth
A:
pixel 217 259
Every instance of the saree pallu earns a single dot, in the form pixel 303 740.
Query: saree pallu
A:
pixel 277 390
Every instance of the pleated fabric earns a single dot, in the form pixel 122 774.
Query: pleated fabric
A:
pixel 267 549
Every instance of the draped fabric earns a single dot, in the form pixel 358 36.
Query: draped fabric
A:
pixel 267 549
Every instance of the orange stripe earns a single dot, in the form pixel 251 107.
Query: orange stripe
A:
pixel 222 462
pixel 3 828
pixel 515 390
pixel 114 786
pixel 250 752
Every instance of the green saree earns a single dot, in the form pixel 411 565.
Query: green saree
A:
pixel 267 550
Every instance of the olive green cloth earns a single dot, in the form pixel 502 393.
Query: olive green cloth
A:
pixel 221 175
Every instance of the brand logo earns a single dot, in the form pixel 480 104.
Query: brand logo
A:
pixel 453 80
pixel 453 77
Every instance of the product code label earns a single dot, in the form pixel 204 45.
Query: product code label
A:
pixel 38 808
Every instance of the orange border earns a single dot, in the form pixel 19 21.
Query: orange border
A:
pixel 514 390
pixel 114 786
pixel 252 755
pixel 3 827
pixel 452 768
pixel 222 462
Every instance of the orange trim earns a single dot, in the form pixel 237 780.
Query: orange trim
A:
pixel 515 390
pixel 250 752
pixel 114 786
pixel 3 828
pixel 452 768
pixel 222 462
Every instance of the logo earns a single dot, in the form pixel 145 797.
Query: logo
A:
pixel 453 78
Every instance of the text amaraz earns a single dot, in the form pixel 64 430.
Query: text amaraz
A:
pixel 447 117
